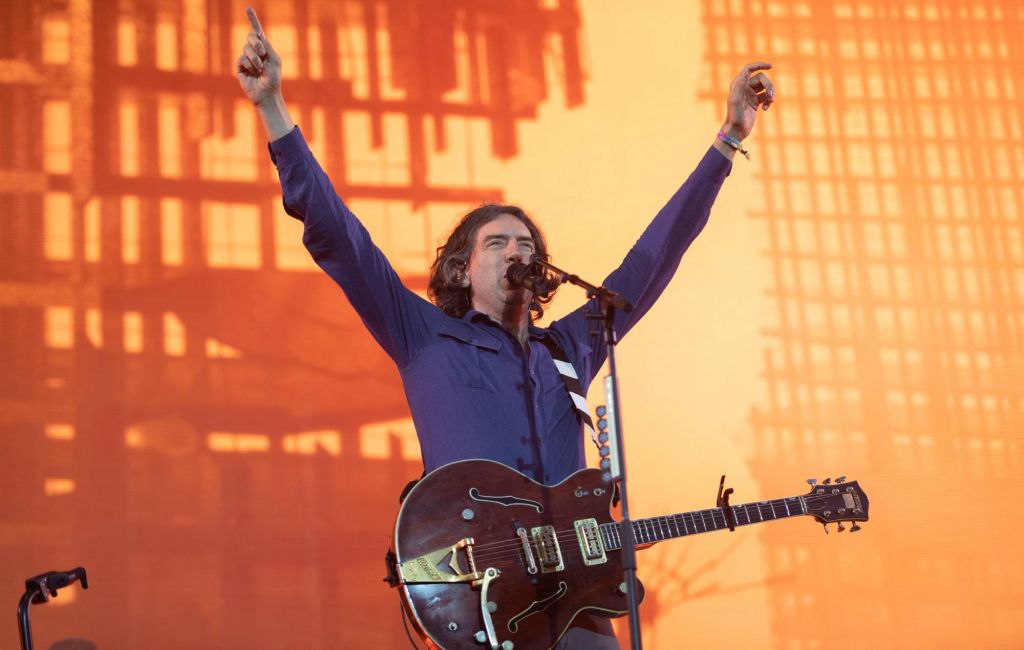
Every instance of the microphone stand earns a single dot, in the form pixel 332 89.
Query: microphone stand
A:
pixel 39 589
pixel 608 302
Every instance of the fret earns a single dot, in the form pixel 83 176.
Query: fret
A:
pixel 759 513
pixel 638 531
pixel 674 521
pixel 661 531
pixel 787 507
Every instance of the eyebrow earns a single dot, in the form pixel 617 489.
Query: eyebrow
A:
pixel 507 236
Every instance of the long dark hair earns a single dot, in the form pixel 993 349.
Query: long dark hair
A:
pixel 449 268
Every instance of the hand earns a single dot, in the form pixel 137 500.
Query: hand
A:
pixel 749 90
pixel 259 67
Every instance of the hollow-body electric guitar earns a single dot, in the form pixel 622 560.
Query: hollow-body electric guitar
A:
pixel 488 558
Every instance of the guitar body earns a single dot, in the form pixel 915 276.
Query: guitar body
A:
pixel 539 585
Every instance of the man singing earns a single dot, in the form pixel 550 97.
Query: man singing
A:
pixel 479 376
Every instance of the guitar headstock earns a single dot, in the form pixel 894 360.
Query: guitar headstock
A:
pixel 837 502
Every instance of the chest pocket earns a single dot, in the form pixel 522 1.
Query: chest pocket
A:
pixel 470 351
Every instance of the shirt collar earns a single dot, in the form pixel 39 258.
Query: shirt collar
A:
pixel 474 316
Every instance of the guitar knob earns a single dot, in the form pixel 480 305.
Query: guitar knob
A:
pixel 507 645
pixel 605 451
pixel 812 482
pixel 601 411
pixel 480 636
pixel 854 528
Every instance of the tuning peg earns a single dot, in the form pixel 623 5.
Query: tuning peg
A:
pixel 854 528
pixel 825 526
pixel 840 527
pixel 826 481
pixel 812 482
pixel 841 479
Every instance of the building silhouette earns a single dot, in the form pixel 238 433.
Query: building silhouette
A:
pixel 891 208
pixel 223 443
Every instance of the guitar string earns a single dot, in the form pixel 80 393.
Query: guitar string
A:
pixel 650 528
pixel 761 506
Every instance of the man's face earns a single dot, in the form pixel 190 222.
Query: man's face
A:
pixel 499 244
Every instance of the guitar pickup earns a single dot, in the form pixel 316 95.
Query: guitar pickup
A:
pixel 589 535
pixel 548 552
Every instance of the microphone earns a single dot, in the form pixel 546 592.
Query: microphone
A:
pixel 521 276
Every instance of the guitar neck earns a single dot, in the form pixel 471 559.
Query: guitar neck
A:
pixel 656 529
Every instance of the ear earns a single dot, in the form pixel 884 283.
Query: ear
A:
pixel 460 275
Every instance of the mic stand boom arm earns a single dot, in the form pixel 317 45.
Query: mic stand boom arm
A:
pixel 609 301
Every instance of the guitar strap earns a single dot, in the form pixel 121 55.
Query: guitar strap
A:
pixel 571 380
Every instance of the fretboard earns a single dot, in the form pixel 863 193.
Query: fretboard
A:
pixel 656 529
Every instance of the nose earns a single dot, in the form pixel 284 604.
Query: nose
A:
pixel 513 253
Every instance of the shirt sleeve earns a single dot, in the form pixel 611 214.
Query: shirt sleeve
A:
pixel 396 317
pixel 653 260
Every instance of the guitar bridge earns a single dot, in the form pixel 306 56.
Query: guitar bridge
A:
pixel 425 567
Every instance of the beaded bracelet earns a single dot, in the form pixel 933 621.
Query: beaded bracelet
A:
pixel 734 143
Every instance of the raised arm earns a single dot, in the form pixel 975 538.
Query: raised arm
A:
pixel 653 260
pixel 396 317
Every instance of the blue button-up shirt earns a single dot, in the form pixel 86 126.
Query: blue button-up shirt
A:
pixel 473 390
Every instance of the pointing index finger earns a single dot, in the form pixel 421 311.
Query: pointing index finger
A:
pixel 254 21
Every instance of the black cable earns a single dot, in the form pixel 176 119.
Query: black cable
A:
pixel 405 624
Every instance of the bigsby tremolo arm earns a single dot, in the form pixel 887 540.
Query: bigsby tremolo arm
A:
pixel 424 568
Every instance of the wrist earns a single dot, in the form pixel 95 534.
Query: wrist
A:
pixel 274 113
pixel 729 145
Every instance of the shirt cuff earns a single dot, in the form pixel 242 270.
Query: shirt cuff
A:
pixel 714 162
pixel 289 149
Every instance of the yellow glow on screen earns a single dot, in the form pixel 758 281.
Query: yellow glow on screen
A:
pixel 312 442
pixel 58 486
pixel 238 443
pixel 60 431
